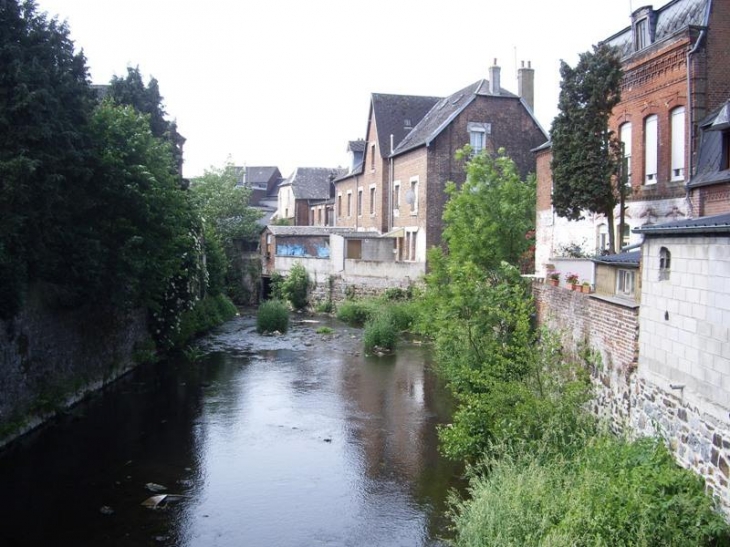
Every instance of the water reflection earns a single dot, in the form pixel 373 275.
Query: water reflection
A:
pixel 293 444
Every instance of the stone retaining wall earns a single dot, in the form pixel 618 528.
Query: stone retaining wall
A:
pixel 52 358
pixel 632 401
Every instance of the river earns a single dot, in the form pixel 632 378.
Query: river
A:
pixel 293 440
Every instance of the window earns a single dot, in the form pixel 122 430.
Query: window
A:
pixel 625 282
pixel 413 195
pixel 602 239
pixel 396 197
pixel 372 157
pixel 677 144
pixel 641 34
pixel 372 200
pixel 349 203
pixel 359 202
pixel 478 135
pixel 339 205
pixel 319 216
pixel 650 149
pixel 354 249
pixel 665 263
pixel 409 250
pixel 625 138
pixel 725 161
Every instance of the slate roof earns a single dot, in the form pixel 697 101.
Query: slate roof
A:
pixel 356 146
pixel 710 155
pixel 697 226
pixel 260 176
pixel 312 182
pixel 443 113
pixel 397 115
pixel 670 19
pixel 629 258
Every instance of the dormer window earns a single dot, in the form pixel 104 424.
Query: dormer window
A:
pixel 641 34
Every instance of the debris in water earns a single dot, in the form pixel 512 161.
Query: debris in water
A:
pixel 153 487
pixel 161 501
pixel 106 510
pixel 327 440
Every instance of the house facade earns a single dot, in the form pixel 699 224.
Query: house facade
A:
pixel 410 152
pixel 655 332
pixel 675 73
pixel 305 187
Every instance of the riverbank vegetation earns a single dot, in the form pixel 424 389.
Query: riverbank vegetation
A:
pixel 272 316
pixel 93 206
pixel 543 471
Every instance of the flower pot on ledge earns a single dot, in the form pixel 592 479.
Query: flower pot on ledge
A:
pixel 574 287
pixel 554 282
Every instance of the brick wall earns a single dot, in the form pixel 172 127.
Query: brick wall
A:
pixel 631 396
pixel 610 330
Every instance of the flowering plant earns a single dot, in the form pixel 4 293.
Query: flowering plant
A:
pixel 571 278
pixel 554 274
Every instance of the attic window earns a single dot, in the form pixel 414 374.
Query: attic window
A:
pixel 478 135
pixel 725 161
pixel 641 34
pixel 407 123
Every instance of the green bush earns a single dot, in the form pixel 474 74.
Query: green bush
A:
pixel 207 313
pixel 611 493
pixel 380 332
pixel 404 315
pixel 326 306
pixel 356 312
pixel 273 315
pixel 296 287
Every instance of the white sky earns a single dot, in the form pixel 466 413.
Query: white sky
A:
pixel 288 82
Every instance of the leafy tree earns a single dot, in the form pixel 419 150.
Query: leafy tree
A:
pixel 142 220
pixel 489 218
pixel 223 206
pixel 296 287
pixel 147 99
pixel 45 101
pixel 586 153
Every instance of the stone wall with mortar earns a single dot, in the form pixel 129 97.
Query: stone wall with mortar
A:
pixel 632 401
pixel 52 358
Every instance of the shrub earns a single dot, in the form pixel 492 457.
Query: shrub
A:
pixel 324 330
pixel 207 313
pixel 404 315
pixel 326 306
pixel 611 493
pixel 273 315
pixel 296 287
pixel 355 312
pixel 380 332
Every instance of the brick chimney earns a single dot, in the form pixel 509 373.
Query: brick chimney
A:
pixel 526 84
pixel 494 83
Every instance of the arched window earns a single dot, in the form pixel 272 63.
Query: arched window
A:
pixel 678 140
pixel 651 149
pixel 625 137
pixel 665 263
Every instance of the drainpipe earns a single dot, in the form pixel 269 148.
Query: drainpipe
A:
pixel 389 201
pixel 690 118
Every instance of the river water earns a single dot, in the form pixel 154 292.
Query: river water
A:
pixel 294 440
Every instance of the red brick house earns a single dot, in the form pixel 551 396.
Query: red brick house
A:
pixel 410 155
pixel 676 72
pixel 306 186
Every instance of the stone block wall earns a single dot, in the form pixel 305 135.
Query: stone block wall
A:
pixel 51 358
pixel 634 401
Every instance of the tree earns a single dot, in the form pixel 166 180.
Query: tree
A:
pixel 45 102
pixel 489 219
pixel 223 205
pixel 147 99
pixel 586 153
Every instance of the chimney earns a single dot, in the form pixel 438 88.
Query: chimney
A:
pixel 494 83
pixel 526 84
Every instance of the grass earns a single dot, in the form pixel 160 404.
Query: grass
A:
pixel 273 315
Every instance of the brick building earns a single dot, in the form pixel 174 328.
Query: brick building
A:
pixel 676 72
pixel 410 155
pixel 305 188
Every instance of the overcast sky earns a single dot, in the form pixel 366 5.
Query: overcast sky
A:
pixel 288 82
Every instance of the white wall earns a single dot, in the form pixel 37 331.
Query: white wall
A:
pixel 685 320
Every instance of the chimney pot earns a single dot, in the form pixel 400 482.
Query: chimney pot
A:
pixel 494 77
pixel 526 85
